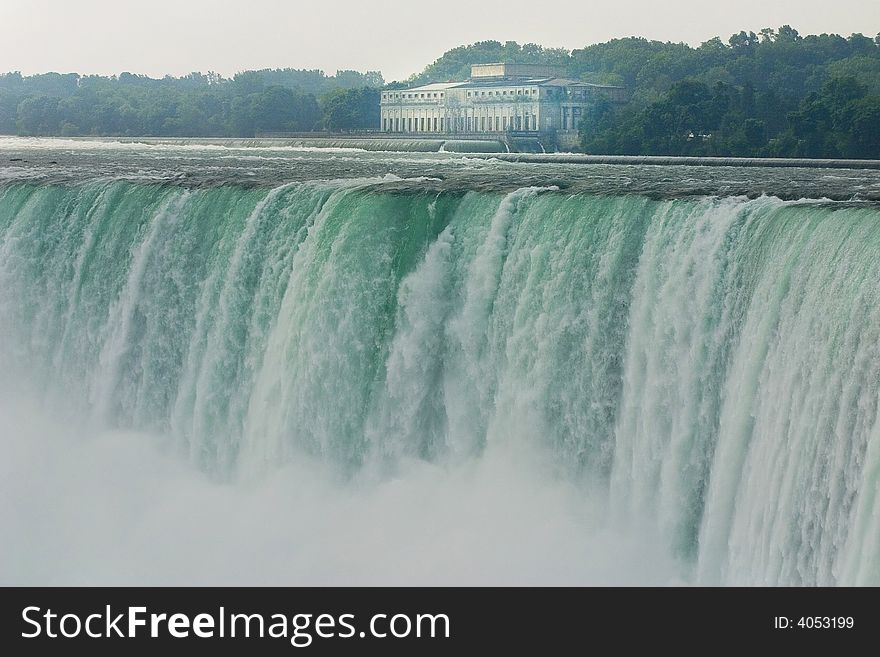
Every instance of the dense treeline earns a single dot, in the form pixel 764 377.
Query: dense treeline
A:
pixel 196 105
pixel 775 93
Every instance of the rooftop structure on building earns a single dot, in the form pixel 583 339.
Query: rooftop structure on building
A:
pixel 498 99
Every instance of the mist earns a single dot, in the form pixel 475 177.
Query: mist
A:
pixel 120 508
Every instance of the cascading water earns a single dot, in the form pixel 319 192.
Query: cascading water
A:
pixel 710 366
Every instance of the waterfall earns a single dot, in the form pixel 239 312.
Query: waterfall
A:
pixel 710 367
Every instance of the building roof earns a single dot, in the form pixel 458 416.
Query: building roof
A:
pixel 507 82
pixel 436 86
pixel 513 70
pixel 568 82
pixel 535 82
pixel 503 82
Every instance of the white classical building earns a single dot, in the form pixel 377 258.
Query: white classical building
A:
pixel 528 99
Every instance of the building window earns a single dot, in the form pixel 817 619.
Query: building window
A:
pixel 469 94
pixel 422 124
pixel 441 124
pixel 505 123
pixel 483 123
pixel 435 124
pixel 497 123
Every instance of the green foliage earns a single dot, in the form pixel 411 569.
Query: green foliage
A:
pixel 351 109
pixel 8 112
pixel 775 93
pixel 840 121
pixel 195 105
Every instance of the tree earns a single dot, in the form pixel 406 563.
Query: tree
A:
pixel 8 112
pixel 278 109
pixel 38 115
pixel 352 109
pixel 782 94
pixel 866 128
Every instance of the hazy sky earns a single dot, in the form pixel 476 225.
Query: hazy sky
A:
pixel 398 37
